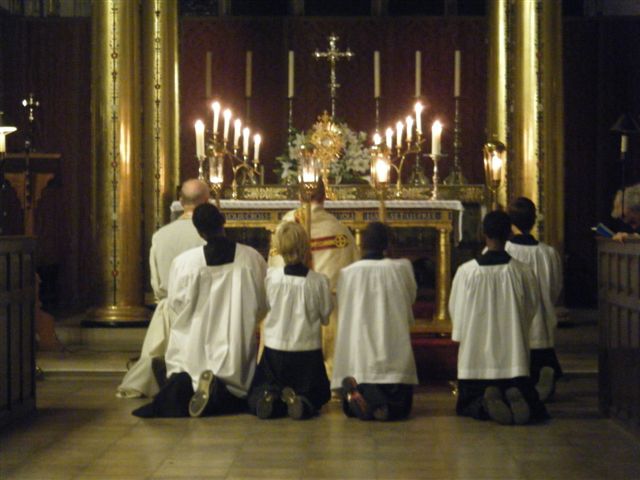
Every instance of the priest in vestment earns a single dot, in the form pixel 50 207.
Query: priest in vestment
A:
pixel 166 244
pixel 332 248
pixel 374 364
pixel 493 301
pixel 216 296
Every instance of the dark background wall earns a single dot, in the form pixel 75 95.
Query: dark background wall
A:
pixel 51 58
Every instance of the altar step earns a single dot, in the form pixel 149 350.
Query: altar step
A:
pixel 72 334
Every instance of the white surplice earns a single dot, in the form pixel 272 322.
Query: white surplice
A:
pixel 166 244
pixel 298 306
pixel 332 248
pixel 373 342
pixel 547 266
pixel 216 310
pixel 491 308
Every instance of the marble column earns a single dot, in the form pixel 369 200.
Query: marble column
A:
pixel 117 163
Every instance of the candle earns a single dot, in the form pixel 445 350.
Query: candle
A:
pixel 624 144
pixel 308 174
pixel 199 138
pixel 409 122
pixel 418 72
pixel 389 134
pixel 418 109
pixel 399 128
pixel 247 85
pixel 227 121
pixel 436 132
pixel 245 141
pixel 496 166
pixel 257 139
pixel 376 74
pixel 207 74
pixel 215 106
pixel 377 139
pixel 381 169
pixel 456 83
pixel 291 76
pixel 237 131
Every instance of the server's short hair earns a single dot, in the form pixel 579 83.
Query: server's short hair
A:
pixel 208 220
pixel 522 212
pixel 496 225
pixel 375 237
pixel 292 242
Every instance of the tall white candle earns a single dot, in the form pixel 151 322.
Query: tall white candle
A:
pixel 399 128
pixel 245 141
pixel 418 109
pixel 247 83
pixel 436 133
pixel 389 135
pixel 199 138
pixel 377 139
pixel 418 73
pixel 376 74
pixel 409 122
pixel 207 74
pixel 257 139
pixel 215 106
pixel 227 122
pixel 456 83
pixel 291 76
pixel 237 131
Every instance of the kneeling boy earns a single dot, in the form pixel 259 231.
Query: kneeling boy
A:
pixel 493 301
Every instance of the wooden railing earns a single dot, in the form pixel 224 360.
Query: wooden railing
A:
pixel 619 351
pixel 17 334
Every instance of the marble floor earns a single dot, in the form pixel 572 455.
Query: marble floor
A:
pixel 82 431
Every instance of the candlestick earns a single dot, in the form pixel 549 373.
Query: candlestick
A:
pixel 376 74
pixel 456 83
pixel 455 176
pixel 247 85
pixel 207 74
pixel 257 139
pixel 389 135
pixel 291 75
pixel 245 141
pixel 436 132
pixel 418 73
pixel 227 121
pixel 215 106
pixel 199 126
pixel 237 131
pixel 418 109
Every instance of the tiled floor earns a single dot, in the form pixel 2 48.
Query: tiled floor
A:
pixel 83 431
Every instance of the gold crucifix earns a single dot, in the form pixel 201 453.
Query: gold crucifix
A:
pixel 333 55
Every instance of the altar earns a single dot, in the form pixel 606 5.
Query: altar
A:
pixel 445 216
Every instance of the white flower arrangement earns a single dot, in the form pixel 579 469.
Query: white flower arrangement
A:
pixel 351 166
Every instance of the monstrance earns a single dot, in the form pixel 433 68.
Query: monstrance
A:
pixel 328 143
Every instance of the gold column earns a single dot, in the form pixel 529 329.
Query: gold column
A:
pixel 523 148
pixel 497 83
pixel 551 200
pixel 443 280
pixel 116 135
pixel 160 147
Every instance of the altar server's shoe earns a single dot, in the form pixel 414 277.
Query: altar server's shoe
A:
pixel 264 405
pixel 357 402
pixel 519 406
pixel 203 393
pixel 495 406
pixel 159 369
pixel 298 406
pixel 546 383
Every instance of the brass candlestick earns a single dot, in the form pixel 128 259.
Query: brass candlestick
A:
pixel 436 158
pixel 456 177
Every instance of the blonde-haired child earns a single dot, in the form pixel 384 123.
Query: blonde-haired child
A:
pixel 291 377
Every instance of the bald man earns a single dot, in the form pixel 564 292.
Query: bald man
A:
pixel 166 244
